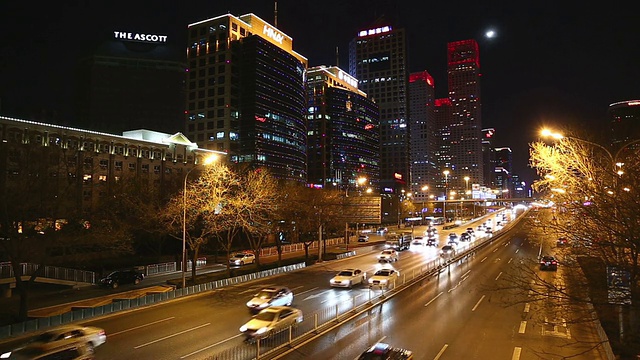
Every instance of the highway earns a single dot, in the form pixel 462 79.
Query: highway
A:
pixel 441 317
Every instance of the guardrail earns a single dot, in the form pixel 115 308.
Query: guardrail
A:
pixel 52 272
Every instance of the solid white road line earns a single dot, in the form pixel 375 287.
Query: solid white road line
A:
pixel 172 335
pixel 516 353
pixel 478 303
pixel 523 326
pixel 498 275
pixel 432 300
pixel 441 352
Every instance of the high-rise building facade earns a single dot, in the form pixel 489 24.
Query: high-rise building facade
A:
pixel 423 135
pixel 132 81
pixel 463 73
pixel 624 119
pixel 245 94
pixel 343 131
pixel 443 112
pixel 502 171
pixel 378 59
pixel 488 156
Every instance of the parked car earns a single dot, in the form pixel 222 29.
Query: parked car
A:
pixel 270 321
pixel 242 258
pixel 548 262
pixel 384 278
pixel 382 351
pixel 348 278
pixel 271 296
pixel 121 277
pixel 363 238
pixel 66 335
pixel 388 255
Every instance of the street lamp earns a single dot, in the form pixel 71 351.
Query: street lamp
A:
pixel 446 187
pixel 208 160
pixel 424 195
pixel 466 192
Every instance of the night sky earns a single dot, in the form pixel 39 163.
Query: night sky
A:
pixel 550 64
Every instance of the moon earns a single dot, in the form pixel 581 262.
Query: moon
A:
pixel 490 34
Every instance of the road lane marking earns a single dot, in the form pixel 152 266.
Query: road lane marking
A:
pixel 210 346
pixel 498 275
pixel 432 300
pixel 306 291
pixel 509 262
pixel 494 250
pixel 478 303
pixel 141 326
pixel 441 352
pixel 523 327
pixel 485 258
pixel 517 250
pixel 172 335
pixel 526 307
pixel 516 353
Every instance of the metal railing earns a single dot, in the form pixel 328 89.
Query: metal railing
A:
pixel 52 272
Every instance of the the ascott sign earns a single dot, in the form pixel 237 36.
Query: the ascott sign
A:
pixel 150 38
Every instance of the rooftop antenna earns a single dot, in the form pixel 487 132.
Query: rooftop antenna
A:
pixel 275 13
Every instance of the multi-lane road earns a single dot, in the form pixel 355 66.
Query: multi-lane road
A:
pixel 455 314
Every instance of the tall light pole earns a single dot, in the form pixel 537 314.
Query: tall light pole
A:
pixel 208 160
pixel 446 187
pixel 466 190
pixel 424 195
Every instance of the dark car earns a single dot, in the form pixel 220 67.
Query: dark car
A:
pixel 120 277
pixel 548 263
pixel 465 237
pixel 562 241
pixel 382 351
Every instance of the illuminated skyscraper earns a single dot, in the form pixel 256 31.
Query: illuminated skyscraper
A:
pixel 443 114
pixel 343 131
pixel 423 135
pixel 463 61
pixel 488 157
pixel 245 94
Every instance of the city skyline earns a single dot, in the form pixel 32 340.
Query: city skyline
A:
pixel 544 66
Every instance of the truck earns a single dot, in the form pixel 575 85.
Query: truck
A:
pixel 397 241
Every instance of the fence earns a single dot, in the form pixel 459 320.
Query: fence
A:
pixel 53 272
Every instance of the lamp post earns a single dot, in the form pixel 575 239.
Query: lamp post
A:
pixel 446 187
pixel 424 195
pixel 208 160
pixel 466 190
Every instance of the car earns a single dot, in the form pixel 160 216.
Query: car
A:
pixel 471 231
pixel 66 335
pixel 270 321
pixel 432 241
pixel 382 351
pixel 384 278
pixel 388 255
pixel 562 241
pixel 418 241
pixel 453 237
pixel 363 238
pixel 431 232
pixel 64 352
pixel 382 230
pixel 348 278
pixel 447 251
pixel 548 262
pixel 120 277
pixel 271 296
pixel 465 237
pixel 242 258
pixel 488 230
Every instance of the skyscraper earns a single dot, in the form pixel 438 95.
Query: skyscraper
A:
pixel 502 172
pixel 423 135
pixel 378 59
pixel 245 94
pixel 343 131
pixel 443 112
pixel 463 63
pixel 488 157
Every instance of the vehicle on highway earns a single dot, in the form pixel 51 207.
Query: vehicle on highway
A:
pixel 348 278
pixel 363 238
pixel 398 242
pixel 271 296
pixel 431 232
pixel 465 237
pixel 562 241
pixel 120 277
pixel 270 321
pixel 388 255
pixel 65 335
pixel 242 258
pixel 471 231
pixel 382 351
pixel 548 262
pixel 447 251
pixel 453 237
pixel 432 241
pixel 64 352
pixel 382 230
pixel 418 241
pixel 384 278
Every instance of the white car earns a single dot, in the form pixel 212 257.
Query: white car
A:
pixel 388 255
pixel 418 241
pixel 384 278
pixel 242 258
pixel 68 335
pixel 270 321
pixel 348 278
pixel 271 296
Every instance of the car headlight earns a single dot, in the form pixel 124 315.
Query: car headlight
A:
pixel 243 328
pixel 371 281
pixel 263 305
pixel 384 281
pixel 262 330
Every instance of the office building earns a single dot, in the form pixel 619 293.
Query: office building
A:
pixel 503 171
pixel 463 74
pixel 624 119
pixel 343 131
pixel 443 113
pixel 132 81
pixel 488 157
pixel 423 135
pixel 245 94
